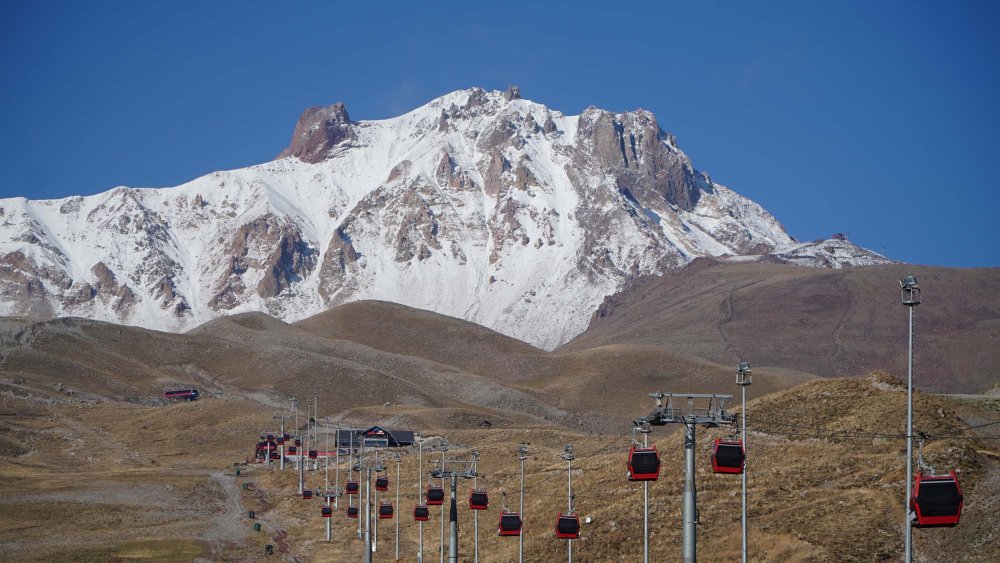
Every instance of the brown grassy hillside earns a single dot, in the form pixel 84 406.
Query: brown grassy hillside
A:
pixel 819 491
pixel 97 468
pixel 826 322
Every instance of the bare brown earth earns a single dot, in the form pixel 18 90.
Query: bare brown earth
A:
pixel 96 468
pixel 820 321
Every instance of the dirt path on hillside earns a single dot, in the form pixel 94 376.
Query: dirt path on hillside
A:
pixel 229 527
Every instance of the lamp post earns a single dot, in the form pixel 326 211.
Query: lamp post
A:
pixel 442 447
pixel 569 455
pixel 522 455
pixel 743 379
pixel 420 491
pixel 397 516
pixel 281 448
pixel 911 298
pixel 642 426
pixel 336 470
pixel 475 513
pixel 326 484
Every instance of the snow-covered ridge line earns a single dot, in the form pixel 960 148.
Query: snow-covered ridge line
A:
pixel 479 205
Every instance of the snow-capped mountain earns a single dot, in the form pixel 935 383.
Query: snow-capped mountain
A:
pixel 479 205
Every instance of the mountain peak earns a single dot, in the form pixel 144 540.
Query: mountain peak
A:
pixel 478 204
pixel 319 129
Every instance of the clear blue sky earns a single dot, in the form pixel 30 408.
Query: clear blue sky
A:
pixel 878 119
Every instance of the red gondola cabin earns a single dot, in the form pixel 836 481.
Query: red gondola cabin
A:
pixel 479 500
pixel 352 512
pixel 326 512
pixel 728 456
pixel 351 488
pixel 307 494
pixel 435 495
pixel 313 454
pixel 385 511
pixel 568 526
pixel 381 483
pixel 937 500
pixel 510 524
pixel 643 463
pixel 421 513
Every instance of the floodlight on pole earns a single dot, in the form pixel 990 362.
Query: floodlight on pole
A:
pixel 522 455
pixel 569 454
pixel 475 513
pixel 910 295
pixel 420 491
pixel 744 379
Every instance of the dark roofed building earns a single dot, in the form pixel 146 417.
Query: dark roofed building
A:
pixel 374 437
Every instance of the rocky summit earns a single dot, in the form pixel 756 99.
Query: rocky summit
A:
pixel 478 205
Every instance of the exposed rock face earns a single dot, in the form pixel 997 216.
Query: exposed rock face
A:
pixel 479 205
pixel 493 176
pixel 449 174
pixel 340 255
pixel 269 249
pixel 319 129
pixel 107 285
pixel 631 147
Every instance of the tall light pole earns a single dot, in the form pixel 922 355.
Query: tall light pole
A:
pixel 569 455
pixel 336 469
pixel 326 487
pixel 642 426
pixel 442 447
pixel 368 516
pixel 281 448
pixel 303 459
pixel 911 298
pixel 360 451
pixel 326 459
pixel 475 513
pixel 398 511
pixel 743 379
pixel 315 427
pixel 522 455
pixel 420 491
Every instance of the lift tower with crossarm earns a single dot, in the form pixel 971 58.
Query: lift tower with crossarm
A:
pixel 691 410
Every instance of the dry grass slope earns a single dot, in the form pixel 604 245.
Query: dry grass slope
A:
pixel 826 322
